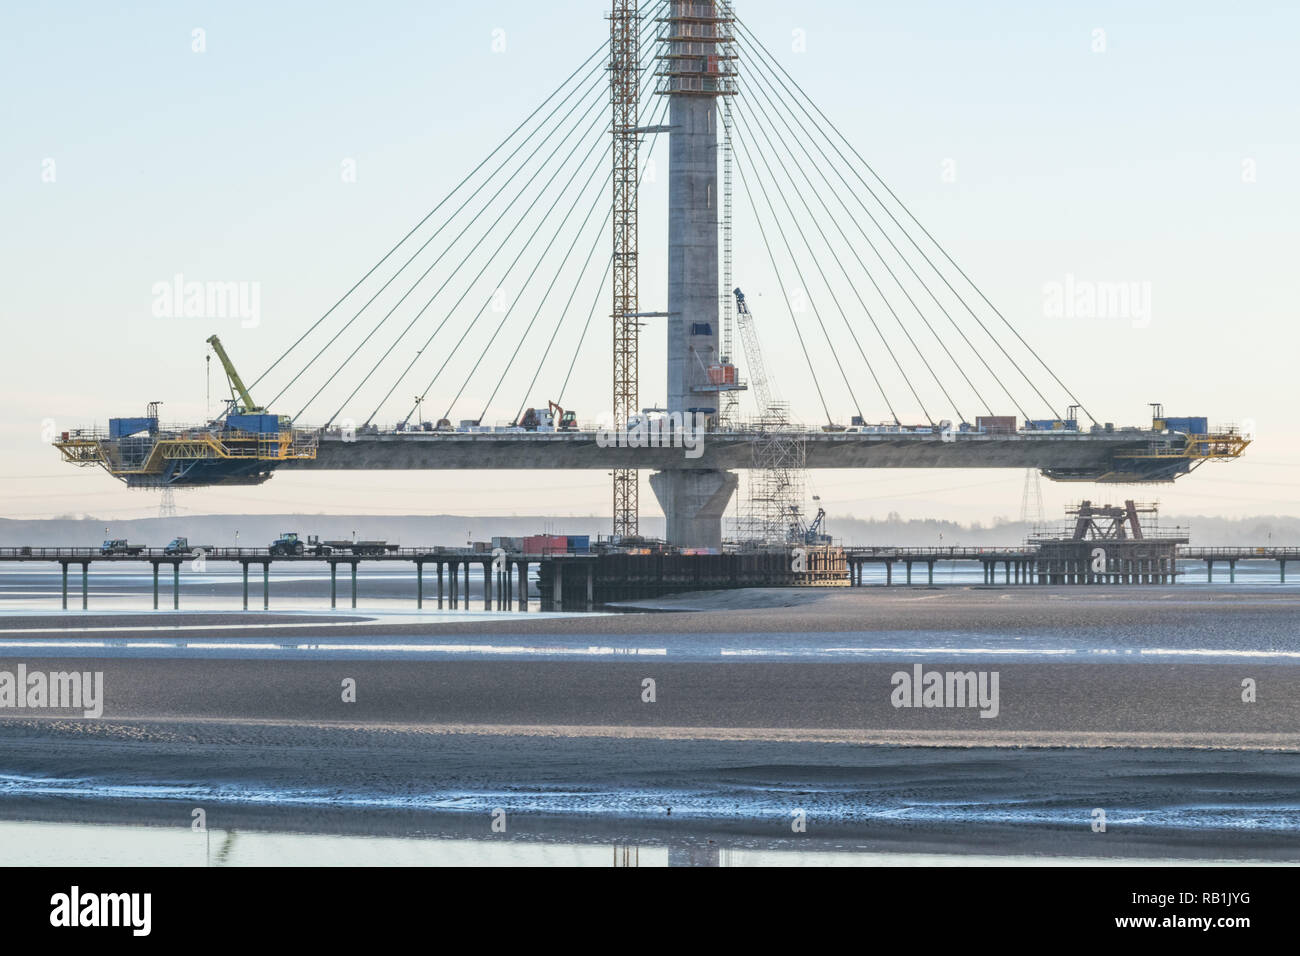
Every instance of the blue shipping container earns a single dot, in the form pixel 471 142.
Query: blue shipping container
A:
pixel 254 423
pixel 121 427
pixel 1192 426
pixel 579 543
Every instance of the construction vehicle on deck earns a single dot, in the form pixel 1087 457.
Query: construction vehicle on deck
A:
pixel 550 418
pixel 183 546
pixel 291 544
pixel 120 546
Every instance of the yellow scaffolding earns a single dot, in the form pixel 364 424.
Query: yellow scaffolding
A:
pixel 92 447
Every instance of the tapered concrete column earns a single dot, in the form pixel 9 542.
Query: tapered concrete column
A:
pixel 693 503
pixel 693 213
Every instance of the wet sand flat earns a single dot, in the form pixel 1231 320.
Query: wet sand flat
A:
pixel 730 744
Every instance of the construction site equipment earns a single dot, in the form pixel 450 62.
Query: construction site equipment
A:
pixel 779 452
pixel 290 543
pixel 240 448
pixel 351 547
pixel 1108 522
pixel 768 409
pixel 809 534
pixel 533 419
pixel 120 546
pixel 238 392
pixel 625 96
pixel 730 399
pixel 550 417
pixel 1108 544
pixel 564 421
pixel 996 424
pixel 1155 461
pixel 183 546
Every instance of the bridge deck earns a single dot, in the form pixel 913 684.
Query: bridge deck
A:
pixel 730 450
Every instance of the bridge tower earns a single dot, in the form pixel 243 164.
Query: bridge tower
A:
pixel 695 71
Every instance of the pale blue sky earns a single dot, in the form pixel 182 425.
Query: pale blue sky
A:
pixel 1119 166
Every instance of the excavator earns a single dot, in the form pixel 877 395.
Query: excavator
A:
pixel 553 416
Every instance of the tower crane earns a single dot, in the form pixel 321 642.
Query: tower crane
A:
pixel 767 408
pixel 779 456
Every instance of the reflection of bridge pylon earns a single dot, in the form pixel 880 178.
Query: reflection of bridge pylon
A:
pixel 627 856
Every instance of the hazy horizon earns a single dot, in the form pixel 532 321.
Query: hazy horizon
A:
pixel 258 530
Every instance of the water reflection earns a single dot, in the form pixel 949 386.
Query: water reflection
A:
pixel 68 844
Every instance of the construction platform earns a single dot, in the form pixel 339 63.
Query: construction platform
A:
pixel 235 450
pixel 584 581
pixel 570 581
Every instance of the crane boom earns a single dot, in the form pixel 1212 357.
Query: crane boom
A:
pixel 754 356
pixel 237 387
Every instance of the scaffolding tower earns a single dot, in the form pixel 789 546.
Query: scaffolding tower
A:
pixel 625 92
pixel 730 409
pixel 778 465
